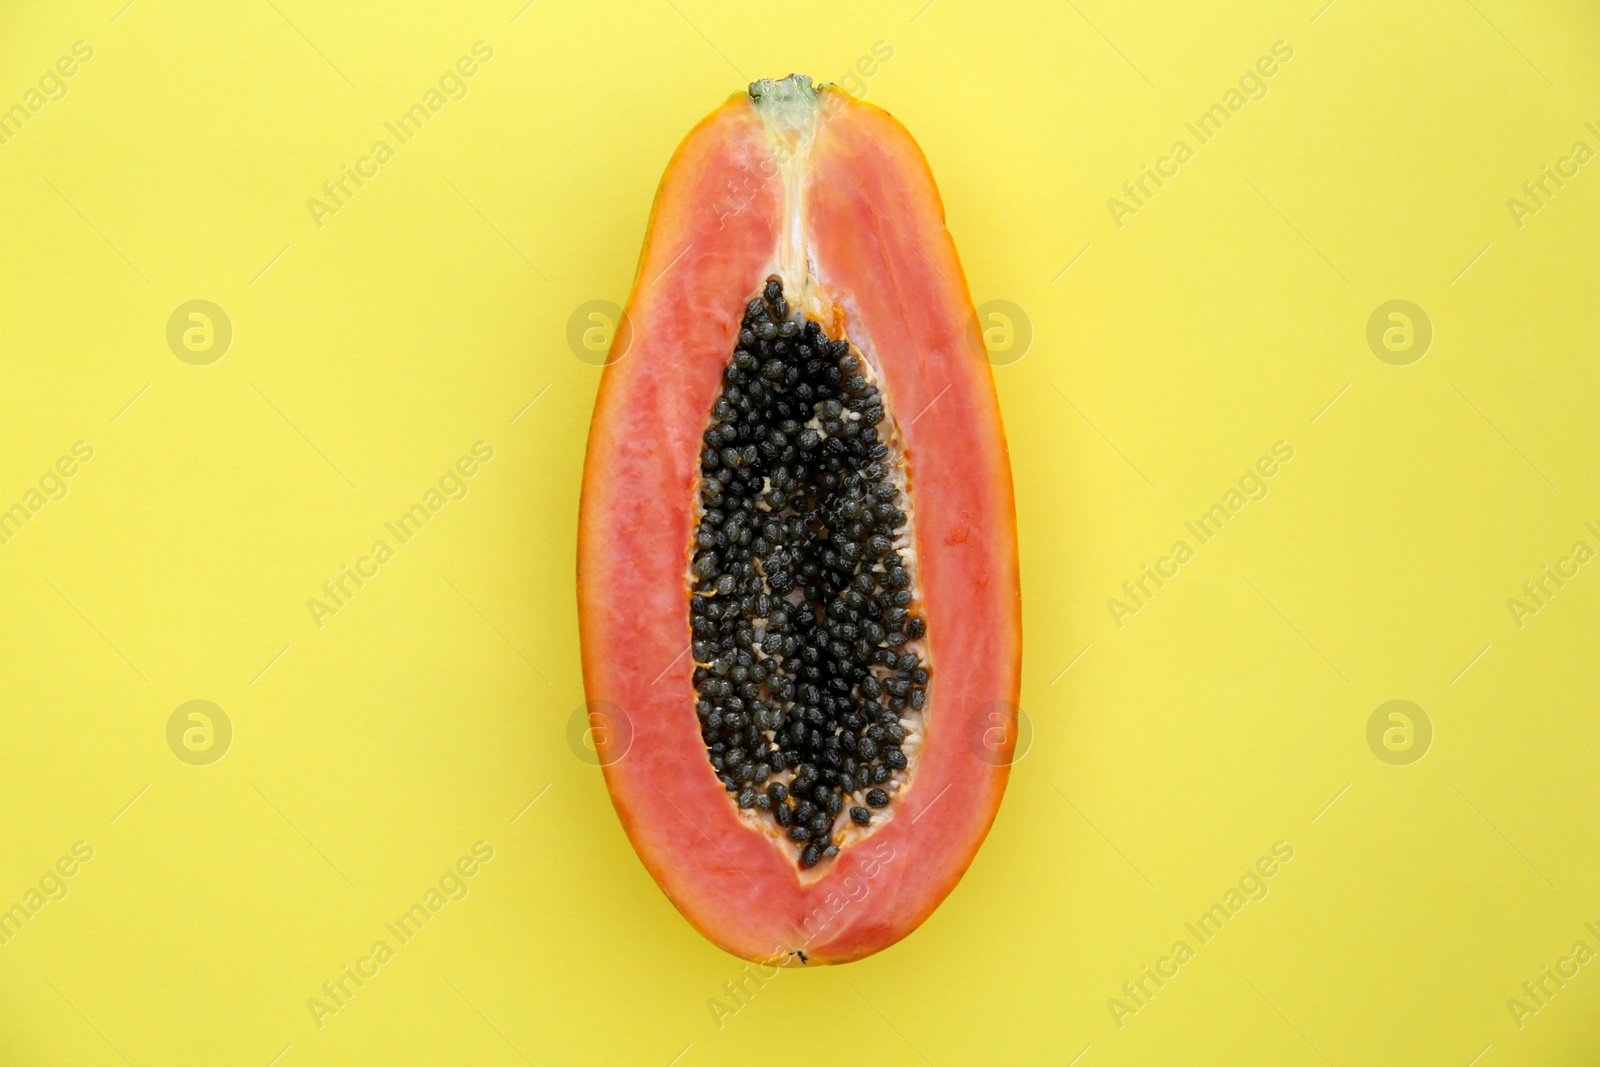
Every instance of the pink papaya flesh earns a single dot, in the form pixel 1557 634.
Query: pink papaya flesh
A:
pixel 797 562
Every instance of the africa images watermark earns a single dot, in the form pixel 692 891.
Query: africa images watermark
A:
pixel 1399 732
pixel 199 732
pixel 453 484
pixel 52 86
pixel 1138 592
pixel 753 977
pixel 1536 993
pixel 735 196
pixel 52 486
pixel 1537 192
pixel 199 332
pixel 1139 991
pixel 1537 592
pixel 452 886
pixel 599 332
pixel 52 886
pixel 338 191
pixel 1152 177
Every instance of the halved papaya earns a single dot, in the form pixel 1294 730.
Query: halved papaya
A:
pixel 797 561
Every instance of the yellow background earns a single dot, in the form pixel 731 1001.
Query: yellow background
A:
pixel 369 354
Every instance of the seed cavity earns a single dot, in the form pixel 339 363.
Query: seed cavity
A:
pixel 806 634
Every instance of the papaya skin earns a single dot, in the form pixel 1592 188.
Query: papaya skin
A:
pixel 881 268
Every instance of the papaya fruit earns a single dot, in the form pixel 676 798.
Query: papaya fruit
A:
pixel 797 556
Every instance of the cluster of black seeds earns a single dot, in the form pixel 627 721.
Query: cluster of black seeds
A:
pixel 801 608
